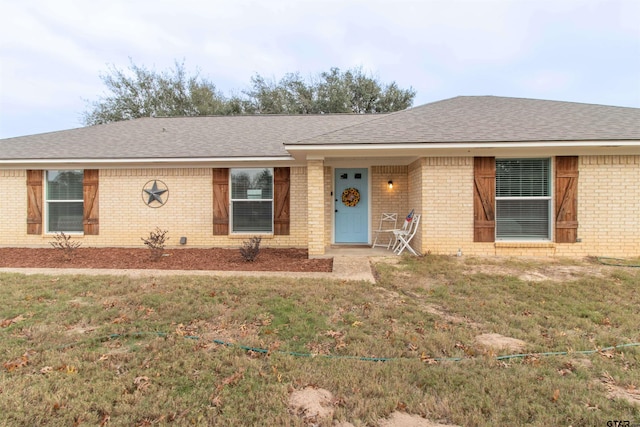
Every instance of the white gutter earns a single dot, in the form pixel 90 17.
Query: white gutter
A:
pixel 458 145
pixel 154 160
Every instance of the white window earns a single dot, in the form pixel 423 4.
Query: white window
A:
pixel 64 201
pixel 523 199
pixel 252 200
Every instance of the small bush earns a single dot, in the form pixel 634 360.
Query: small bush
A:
pixel 155 242
pixel 250 249
pixel 64 243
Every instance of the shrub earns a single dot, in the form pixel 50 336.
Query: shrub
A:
pixel 64 243
pixel 250 249
pixel 155 242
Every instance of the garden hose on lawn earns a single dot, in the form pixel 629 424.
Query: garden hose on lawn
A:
pixel 362 358
pixel 616 262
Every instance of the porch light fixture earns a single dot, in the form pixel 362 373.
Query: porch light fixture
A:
pixel 390 184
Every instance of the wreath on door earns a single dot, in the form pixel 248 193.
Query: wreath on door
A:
pixel 350 196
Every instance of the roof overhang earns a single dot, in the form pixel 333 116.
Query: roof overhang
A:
pixel 184 162
pixel 302 152
pixel 396 153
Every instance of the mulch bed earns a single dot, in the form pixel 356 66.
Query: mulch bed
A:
pixel 269 259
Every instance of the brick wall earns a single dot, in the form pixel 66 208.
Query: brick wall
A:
pixel 316 205
pixel 125 218
pixel 329 206
pixel 13 209
pixel 448 205
pixel 416 183
pixel 608 207
pixel 441 189
pixel 385 199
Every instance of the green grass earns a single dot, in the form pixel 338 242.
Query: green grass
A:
pixel 81 350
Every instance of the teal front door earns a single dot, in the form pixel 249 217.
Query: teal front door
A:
pixel 351 206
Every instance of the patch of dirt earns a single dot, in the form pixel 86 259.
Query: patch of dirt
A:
pixel 554 273
pixel 499 342
pixel 269 259
pixel 314 404
pixel 311 403
pixel 614 391
pixel 451 318
pixel 583 363
pixel 401 419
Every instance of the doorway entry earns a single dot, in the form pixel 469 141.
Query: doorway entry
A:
pixel 351 206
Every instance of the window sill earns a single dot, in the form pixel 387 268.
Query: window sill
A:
pixel 250 235
pixel 525 245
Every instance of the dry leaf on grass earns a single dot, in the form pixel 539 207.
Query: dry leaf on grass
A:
pixel 608 354
pixel 8 322
pixel 333 334
pixel 20 362
pixel 120 319
pixel 216 401
pixel 142 383
pixel 428 360
pixel 230 380
pixel 105 420
pixel 68 369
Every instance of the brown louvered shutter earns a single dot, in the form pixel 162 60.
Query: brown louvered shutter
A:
pixel 484 199
pixel 281 215
pixel 34 202
pixel 90 216
pixel 566 199
pixel 221 201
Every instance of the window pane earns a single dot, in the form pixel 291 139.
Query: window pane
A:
pixel 251 184
pixel 64 185
pixel 522 177
pixel 250 217
pixel 522 219
pixel 65 216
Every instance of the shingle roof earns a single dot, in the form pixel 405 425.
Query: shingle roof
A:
pixel 492 119
pixel 461 119
pixel 178 137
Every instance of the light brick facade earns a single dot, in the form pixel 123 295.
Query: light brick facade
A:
pixel 447 184
pixel 438 188
pixel 416 181
pixel 608 209
pixel 13 208
pixel 385 199
pixel 125 218
pixel 316 207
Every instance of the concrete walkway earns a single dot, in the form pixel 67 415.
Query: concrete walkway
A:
pixel 348 264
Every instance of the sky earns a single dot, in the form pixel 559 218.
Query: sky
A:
pixel 53 53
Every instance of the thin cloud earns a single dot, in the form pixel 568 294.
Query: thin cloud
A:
pixel 577 50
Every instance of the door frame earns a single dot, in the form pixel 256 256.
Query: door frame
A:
pixel 335 203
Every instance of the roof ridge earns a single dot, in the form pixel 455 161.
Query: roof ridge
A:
pixel 525 98
pixel 261 115
pixel 377 116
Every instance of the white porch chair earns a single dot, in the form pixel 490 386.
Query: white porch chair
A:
pixel 403 230
pixel 388 223
pixel 403 239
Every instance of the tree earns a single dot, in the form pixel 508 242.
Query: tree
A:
pixel 140 92
pixel 334 91
pixel 291 95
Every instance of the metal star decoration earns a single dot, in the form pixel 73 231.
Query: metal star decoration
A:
pixel 154 193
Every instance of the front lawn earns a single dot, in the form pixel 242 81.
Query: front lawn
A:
pixel 79 350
